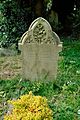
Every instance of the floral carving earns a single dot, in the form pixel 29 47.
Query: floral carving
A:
pixel 39 33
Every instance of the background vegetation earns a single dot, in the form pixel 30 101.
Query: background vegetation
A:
pixel 17 15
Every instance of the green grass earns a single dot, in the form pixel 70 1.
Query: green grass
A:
pixel 63 94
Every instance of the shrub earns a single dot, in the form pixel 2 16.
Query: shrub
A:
pixel 15 19
pixel 29 107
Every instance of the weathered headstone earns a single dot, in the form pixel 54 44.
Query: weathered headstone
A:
pixel 40 47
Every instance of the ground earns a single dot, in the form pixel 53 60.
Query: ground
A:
pixel 63 94
pixel 10 66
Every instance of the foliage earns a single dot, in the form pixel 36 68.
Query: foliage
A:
pixel 14 22
pixel 76 24
pixel 29 107
pixel 70 65
pixel 16 16
pixel 48 4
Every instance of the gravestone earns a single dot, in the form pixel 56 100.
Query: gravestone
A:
pixel 40 47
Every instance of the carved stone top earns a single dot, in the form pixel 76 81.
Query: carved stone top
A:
pixel 40 32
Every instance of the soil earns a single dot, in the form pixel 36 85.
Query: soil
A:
pixel 10 67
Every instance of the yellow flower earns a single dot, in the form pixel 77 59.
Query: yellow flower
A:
pixel 30 107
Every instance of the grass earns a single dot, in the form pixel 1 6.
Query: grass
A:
pixel 63 94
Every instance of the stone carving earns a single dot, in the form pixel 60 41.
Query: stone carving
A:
pixel 40 47
pixel 40 32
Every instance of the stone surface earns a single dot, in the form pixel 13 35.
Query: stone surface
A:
pixel 7 52
pixel 40 47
